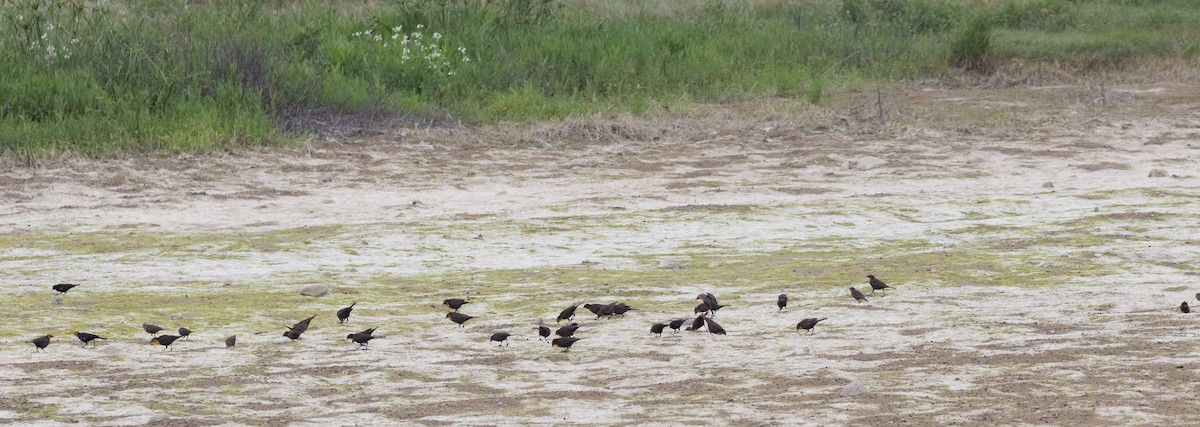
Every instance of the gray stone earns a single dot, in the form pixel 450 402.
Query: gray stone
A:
pixel 1047 184
pixel 58 299
pixel 669 264
pixel 315 290
pixel 867 163
pixel 854 389
pixel 1158 173
pixel 177 316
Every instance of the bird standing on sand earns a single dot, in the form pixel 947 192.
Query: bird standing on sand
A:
pixel 809 323
pixel 41 342
pixel 459 318
pixel 697 324
pixel 500 337
pixel 344 313
pixel 858 296
pixel 164 340
pixel 876 284
pixel 565 342
pixel 781 301
pixel 362 338
pixel 567 314
pixel 657 328
pixel 455 303
pixel 543 331
pixel 713 327
pixel 231 341
pixel 62 288
pixel 567 331
pixel 184 332
pixel 1184 307
pixel 151 329
pixel 88 338
pixel 675 324
pixel 293 333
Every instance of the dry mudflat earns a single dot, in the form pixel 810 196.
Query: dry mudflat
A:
pixel 1039 242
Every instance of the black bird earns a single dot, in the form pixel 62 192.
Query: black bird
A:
pixel 62 288
pixel 607 310
pixel 675 324
pixel 858 296
pixel 657 328
pixel 500 337
pixel 567 314
pixel 362 338
pixel 564 342
pixel 459 318
pixel 294 332
pixel 714 328
pixel 543 332
pixel 231 341
pixel 88 338
pixel 697 324
pixel 876 284
pixel 184 332
pixel 454 303
pixel 344 313
pixel 151 329
pixel 621 308
pixel 567 331
pixel 711 301
pixel 701 308
pixel 594 308
pixel 1184 307
pixel 164 340
pixel 809 323
pixel 43 341
pixel 782 302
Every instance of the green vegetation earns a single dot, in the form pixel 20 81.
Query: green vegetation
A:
pixel 103 78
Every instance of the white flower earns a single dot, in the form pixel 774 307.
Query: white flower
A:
pixel 378 38
pixel 437 36
pixel 397 28
pixel 420 26
pixel 74 41
pixel 394 36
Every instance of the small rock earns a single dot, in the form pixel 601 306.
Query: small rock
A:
pixel 1047 184
pixel 854 389
pixel 669 264
pixel 177 316
pixel 58 299
pixel 315 290
pixel 1158 173
pixel 867 163
pixel 158 417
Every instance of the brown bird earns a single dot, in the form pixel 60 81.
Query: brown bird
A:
pixel 184 332
pixel 543 332
pixel 781 302
pixel 164 340
pixel 697 324
pixel 858 296
pixel 1184 307
pixel 714 328
pixel 88 338
pixel 701 308
pixel 567 314
pixel 41 342
pixel 809 323
pixel 676 323
pixel 455 303
pixel 151 329
pixel 459 318
pixel 344 313
pixel 657 328
pixel 62 288
pixel 594 308
pixel 231 341
pixel 876 284
pixel 567 331
pixel 362 338
pixel 565 342
pixel 1198 295
pixel 500 337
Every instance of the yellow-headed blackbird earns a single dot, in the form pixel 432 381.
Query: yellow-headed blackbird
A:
pixel 88 338
pixel 565 342
pixel 876 284
pixel 184 332
pixel 500 337
pixel 676 323
pixel 362 338
pixel 164 340
pixel 231 341
pixel 858 296
pixel 781 302
pixel 454 303
pixel 344 313
pixel 1184 307
pixel 543 332
pixel 697 324
pixel 657 328
pixel 567 314
pixel 151 329
pixel 714 328
pixel 41 342
pixel 459 318
pixel 594 308
pixel 567 331
pixel 62 288
pixel 809 323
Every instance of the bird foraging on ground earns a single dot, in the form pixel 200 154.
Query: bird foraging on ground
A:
pixel 151 329
pixel 88 338
pixel 809 323
pixel 711 301
pixel 184 332
pixel 293 333
pixel 1184 307
pixel 676 323
pixel 362 338
pixel 567 331
pixel 607 310
pixel 567 314
pixel 543 331
pixel 657 328
pixel 565 342
pixel 858 296
pixel 41 342
pixel 714 328
pixel 231 341
pixel 876 284
pixel 344 313
pixel 697 324
pixel 701 308
pixel 164 340
pixel 594 308
pixel 62 288
pixel 781 301
pixel 500 337
pixel 459 318
pixel 454 303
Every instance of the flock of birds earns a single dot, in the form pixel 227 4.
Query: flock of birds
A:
pixel 564 336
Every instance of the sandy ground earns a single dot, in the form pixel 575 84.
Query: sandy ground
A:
pixel 1037 261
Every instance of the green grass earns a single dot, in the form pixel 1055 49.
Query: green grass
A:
pixel 121 77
